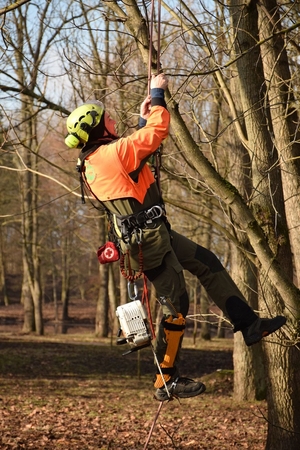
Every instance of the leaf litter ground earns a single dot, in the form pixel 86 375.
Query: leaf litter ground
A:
pixel 77 392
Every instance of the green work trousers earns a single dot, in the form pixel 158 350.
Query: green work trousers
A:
pixel 168 280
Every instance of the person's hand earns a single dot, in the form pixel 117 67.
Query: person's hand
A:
pixel 159 81
pixel 146 107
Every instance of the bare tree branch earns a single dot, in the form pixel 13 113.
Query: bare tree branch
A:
pixel 13 6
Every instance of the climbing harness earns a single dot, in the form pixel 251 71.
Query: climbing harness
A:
pixel 135 223
pixel 132 225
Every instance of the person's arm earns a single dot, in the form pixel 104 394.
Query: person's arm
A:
pixel 157 97
pixel 133 149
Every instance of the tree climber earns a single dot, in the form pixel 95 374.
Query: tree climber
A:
pixel 115 172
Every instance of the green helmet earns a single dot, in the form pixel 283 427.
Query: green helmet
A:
pixel 81 122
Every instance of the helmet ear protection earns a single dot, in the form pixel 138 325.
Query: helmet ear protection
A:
pixel 83 131
pixel 72 141
pixel 81 122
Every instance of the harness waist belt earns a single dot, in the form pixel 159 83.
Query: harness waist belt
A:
pixel 142 218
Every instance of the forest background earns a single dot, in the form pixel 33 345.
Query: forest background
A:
pixel 230 167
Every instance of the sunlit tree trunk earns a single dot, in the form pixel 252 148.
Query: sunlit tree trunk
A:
pixel 249 373
pixel 27 302
pixel 284 116
pixel 206 234
pixel 29 203
pixel 268 207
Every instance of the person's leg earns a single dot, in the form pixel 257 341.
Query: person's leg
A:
pixel 222 290
pixel 169 283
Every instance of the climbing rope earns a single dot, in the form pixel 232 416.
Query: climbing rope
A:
pixel 158 65
pixel 125 265
pixel 157 166
pixel 157 155
pixel 153 425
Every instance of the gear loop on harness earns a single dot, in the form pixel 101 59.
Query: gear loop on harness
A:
pixel 142 218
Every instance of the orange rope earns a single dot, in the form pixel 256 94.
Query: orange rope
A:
pixel 128 273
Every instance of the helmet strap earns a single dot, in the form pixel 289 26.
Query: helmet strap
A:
pixel 97 135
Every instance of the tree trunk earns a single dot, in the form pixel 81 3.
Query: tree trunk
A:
pixel 65 311
pixel 123 290
pixel 54 291
pixel 102 309
pixel 31 275
pixel 285 117
pixel 221 328
pixel 26 300
pixel 195 327
pixel 283 396
pixel 249 373
pixel 30 222
pixel 113 300
pixel 65 281
pixel 204 310
pixel 102 322
pixel 268 208
pixel 3 290
pixel 206 237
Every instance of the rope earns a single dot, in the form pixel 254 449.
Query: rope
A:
pixel 158 69
pixel 151 40
pixel 127 272
pixel 153 425
pixel 158 34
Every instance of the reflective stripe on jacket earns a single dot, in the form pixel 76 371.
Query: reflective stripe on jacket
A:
pixel 107 169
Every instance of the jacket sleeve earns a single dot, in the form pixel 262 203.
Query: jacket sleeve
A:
pixel 145 141
pixel 157 98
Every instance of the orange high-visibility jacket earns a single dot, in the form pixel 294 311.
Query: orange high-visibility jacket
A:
pixel 107 169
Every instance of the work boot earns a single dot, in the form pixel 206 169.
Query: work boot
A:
pixel 261 328
pixel 180 387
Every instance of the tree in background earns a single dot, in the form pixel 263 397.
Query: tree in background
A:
pixel 26 36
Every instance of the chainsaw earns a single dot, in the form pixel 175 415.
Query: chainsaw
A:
pixel 133 326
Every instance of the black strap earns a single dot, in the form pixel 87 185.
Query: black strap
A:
pixel 167 370
pixel 172 326
pixel 83 187
pixel 134 175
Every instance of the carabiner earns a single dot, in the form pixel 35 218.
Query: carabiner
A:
pixel 133 290
pixel 138 235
